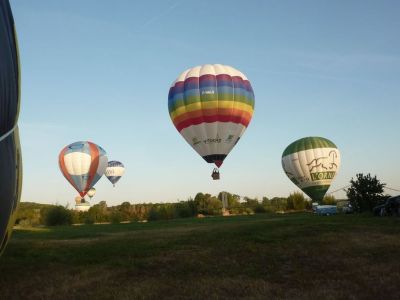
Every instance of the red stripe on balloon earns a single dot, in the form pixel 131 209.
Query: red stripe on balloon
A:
pixel 232 112
pixel 238 81
pixel 191 80
pixel 94 154
pixel 207 77
pixel 224 77
pixel 63 168
pixel 211 119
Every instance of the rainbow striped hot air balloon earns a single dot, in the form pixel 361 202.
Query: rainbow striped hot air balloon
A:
pixel 211 107
pixel 311 163
pixel 10 149
pixel 82 164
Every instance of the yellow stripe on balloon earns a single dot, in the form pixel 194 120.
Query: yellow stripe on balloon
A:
pixel 211 105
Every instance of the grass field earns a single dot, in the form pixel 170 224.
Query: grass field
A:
pixel 296 256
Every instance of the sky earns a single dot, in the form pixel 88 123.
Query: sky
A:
pixel 100 70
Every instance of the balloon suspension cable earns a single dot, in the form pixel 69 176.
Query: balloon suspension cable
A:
pixel 4 136
pixel 215 174
pixel 392 189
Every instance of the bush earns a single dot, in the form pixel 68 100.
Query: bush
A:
pixel 78 217
pixel 153 214
pixel 259 209
pixel 88 219
pixel 98 213
pixel 276 204
pixel 116 217
pixel 58 215
pixel 167 211
pixel 238 210
pixel 249 211
pixel 186 209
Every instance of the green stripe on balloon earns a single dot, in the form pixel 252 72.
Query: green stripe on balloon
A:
pixel 317 192
pixel 183 101
pixel 308 143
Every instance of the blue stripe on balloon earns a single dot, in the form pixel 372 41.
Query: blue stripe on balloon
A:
pixel 179 98
pixel 78 147
pixel 80 181
pixel 113 179
pixel 115 163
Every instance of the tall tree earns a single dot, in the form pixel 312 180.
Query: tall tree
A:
pixel 296 201
pixel 233 200
pixel 365 192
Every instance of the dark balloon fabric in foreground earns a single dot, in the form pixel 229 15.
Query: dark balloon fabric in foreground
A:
pixel 10 152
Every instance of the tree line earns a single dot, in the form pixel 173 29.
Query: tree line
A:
pixel 364 193
pixel 203 204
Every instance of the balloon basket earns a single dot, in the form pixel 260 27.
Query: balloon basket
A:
pixel 215 174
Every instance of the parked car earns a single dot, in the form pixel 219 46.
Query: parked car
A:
pixel 347 209
pixel 391 207
pixel 344 207
pixel 326 210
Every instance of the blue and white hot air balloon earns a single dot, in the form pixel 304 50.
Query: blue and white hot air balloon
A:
pixel 114 171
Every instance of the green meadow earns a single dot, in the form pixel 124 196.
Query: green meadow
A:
pixel 264 256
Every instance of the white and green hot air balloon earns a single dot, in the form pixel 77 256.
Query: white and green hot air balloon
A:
pixel 311 163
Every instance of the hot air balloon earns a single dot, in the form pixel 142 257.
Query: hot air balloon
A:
pixel 311 163
pixel 211 107
pixel 114 171
pixel 10 149
pixel 82 164
pixel 91 193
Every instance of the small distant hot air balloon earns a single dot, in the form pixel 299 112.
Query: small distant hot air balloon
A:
pixel 114 171
pixel 82 164
pixel 312 163
pixel 211 107
pixel 91 193
pixel 10 149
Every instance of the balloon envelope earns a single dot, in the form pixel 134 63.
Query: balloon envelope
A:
pixel 114 171
pixel 211 107
pixel 82 164
pixel 10 150
pixel 312 163
pixel 91 192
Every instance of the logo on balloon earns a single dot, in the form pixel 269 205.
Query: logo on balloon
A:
pixel 229 139
pixel 322 175
pixel 195 141
pixel 217 140
pixel 209 92
pixel 326 163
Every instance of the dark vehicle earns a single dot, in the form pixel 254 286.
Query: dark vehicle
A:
pixel 326 210
pixel 390 208
pixel 344 207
